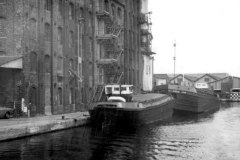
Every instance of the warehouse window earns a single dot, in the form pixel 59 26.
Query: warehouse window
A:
pixel 71 64
pixel 71 39
pixel 47 32
pixel 113 10
pixel 106 5
pixel 71 11
pixel 47 64
pixel 206 79
pixel 47 5
pixel 60 101
pixel 60 64
pixel 3 21
pixel 33 62
pixel 119 12
pixel 33 29
pixel 59 35
pixel 179 80
pixel 60 8
pixel 71 96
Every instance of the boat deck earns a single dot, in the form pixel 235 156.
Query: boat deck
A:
pixel 148 97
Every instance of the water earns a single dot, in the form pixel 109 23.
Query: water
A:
pixel 212 136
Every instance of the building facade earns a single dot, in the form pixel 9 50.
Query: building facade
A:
pixel 146 49
pixel 182 79
pixel 161 79
pixel 56 54
pixel 225 84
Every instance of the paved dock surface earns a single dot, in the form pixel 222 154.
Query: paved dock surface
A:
pixel 20 127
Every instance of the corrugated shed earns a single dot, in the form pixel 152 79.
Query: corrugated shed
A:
pixel 235 81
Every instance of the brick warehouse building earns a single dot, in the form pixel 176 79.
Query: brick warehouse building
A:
pixel 56 55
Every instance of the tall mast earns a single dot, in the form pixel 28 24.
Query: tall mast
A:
pixel 174 58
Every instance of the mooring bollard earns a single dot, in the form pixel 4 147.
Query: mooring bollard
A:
pixel 63 117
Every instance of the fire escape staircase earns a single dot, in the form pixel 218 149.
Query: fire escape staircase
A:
pixel 112 34
pixel 103 13
pixel 98 92
pixel 110 60
pixel 116 79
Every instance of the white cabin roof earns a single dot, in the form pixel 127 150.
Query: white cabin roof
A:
pixel 115 89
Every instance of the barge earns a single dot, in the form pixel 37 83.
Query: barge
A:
pixel 190 99
pixel 123 108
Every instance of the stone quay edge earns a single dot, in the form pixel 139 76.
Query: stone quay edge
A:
pixel 22 127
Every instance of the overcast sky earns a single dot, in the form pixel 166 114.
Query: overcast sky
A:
pixel 207 34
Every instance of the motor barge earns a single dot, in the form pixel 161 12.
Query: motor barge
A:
pixel 123 108
pixel 190 99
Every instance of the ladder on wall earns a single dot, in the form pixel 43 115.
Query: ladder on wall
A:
pixel 98 93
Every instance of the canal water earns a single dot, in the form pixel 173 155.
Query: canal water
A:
pixel 212 136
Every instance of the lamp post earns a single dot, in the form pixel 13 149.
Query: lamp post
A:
pixel 174 58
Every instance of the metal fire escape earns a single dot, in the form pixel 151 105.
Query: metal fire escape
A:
pixel 146 32
pixel 110 61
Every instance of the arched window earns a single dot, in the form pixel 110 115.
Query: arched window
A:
pixel 106 5
pixel 47 64
pixel 60 8
pixel 81 13
pixel 60 97
pixel 90 45
pixel 71 64
pixel 60 64
pixel 119 13
pixel 71 39
pixel 113 10
pixel 33 99
pixel 90 23
pixel 47 5
pixel 60 35
pixel 71 96
pixel 3 23
pixel 71 11
pixel 33 62
pixel 47 32
pixel 33 28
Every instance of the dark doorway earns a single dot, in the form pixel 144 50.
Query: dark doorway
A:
pixel 33 101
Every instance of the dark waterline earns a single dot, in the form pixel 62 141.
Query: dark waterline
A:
pixel 201 137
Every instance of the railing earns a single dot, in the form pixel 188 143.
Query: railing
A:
pixel 143 18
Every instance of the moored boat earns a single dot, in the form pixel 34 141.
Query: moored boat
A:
pixel 123 108
pixel 190 99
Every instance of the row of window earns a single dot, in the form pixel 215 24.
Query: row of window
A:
pixel 148 69
pixel 33 31
pixel 60 96
pixel 71 11
pixel 116 14
pixel 47 63
pixel 47 31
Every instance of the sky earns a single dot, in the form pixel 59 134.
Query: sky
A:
pixel 207 34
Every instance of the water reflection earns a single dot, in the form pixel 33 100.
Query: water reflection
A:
pixel 214 135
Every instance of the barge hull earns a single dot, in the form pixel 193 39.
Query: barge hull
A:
pixel 126 117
